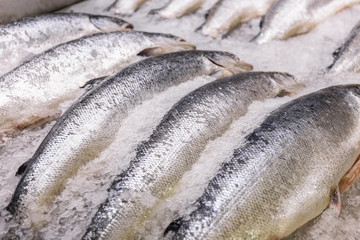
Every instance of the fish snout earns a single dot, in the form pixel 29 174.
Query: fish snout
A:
pixel 288 82
pixel 166 43
pixel 229 62
pixel 110 24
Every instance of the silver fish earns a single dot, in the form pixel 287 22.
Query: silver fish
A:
pixel 33 91
pixel 125 7
pixel 178 8
pixel 227 14
pixel 347 57
pixel 287 18
pixel 285 173
pixel 90 124
pixel 13 10
pixel 176 144
pixel 37 34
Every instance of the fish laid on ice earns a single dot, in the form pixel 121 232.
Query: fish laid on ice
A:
pixel 287 18
pixel 10 11
pixel 91 124
pixel 33 90
pixel 227 14
pixel 178 8
pixel 37 34
pixel 125 7
pixel 347 57
pixel 176 144
pixel 285 173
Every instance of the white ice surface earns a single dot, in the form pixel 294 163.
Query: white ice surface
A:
pixel 305 56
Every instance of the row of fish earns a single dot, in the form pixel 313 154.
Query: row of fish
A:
pixel 283 18
pixel 251 197
pixel 74 25
pixel 225 210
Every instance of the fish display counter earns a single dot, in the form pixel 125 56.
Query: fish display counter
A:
pixel 114 127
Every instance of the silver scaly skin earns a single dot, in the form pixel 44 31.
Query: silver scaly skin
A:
pixel 347 57
pixel 285 172
pixel 34 35
pixel 176 144
pixel 287 18
pixel 178 8
pixel 227 14
pixel 125 7
pixel 91 124
pixel 33 91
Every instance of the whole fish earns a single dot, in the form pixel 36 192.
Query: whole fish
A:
pixel 287 18
pixel 347 57
pixel 91 124
pixel 34 90
pixel 285 173
pixel 37 34
pixel 125 7
pixel 178 8
pixel 13 10
pixel 227 14
pixel 176 144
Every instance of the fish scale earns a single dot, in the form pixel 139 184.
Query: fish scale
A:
pixel 35 89
pixel 227 14
pixel 125 7
pixel 347 57
pixel 178 8
pixel 90 124
pixel 34 35
pixel 285 172
pixel 176 144
pixel 287 18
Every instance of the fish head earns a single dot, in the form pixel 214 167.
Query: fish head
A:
pixel 164 43
pixel 226 64
pixel 288 83
pixel 110 24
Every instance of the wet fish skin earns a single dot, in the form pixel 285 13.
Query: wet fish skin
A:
pixel 178 8
pixel 37 34
pixel 347 57
pixel 34 90
pixel 287 18
pixel 285 172
pixel 90 124
pixel 125 7
pixel 11 11
pixel 176 144
pixel 227 14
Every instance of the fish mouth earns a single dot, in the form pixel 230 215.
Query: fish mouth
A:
pixel 166 43
pixel 230 63
pixel 291 85
pixel 110 24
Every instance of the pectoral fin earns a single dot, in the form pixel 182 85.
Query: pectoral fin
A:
pixel 350 177
pixel 23 167
pixel 336 200
pixel 93 82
